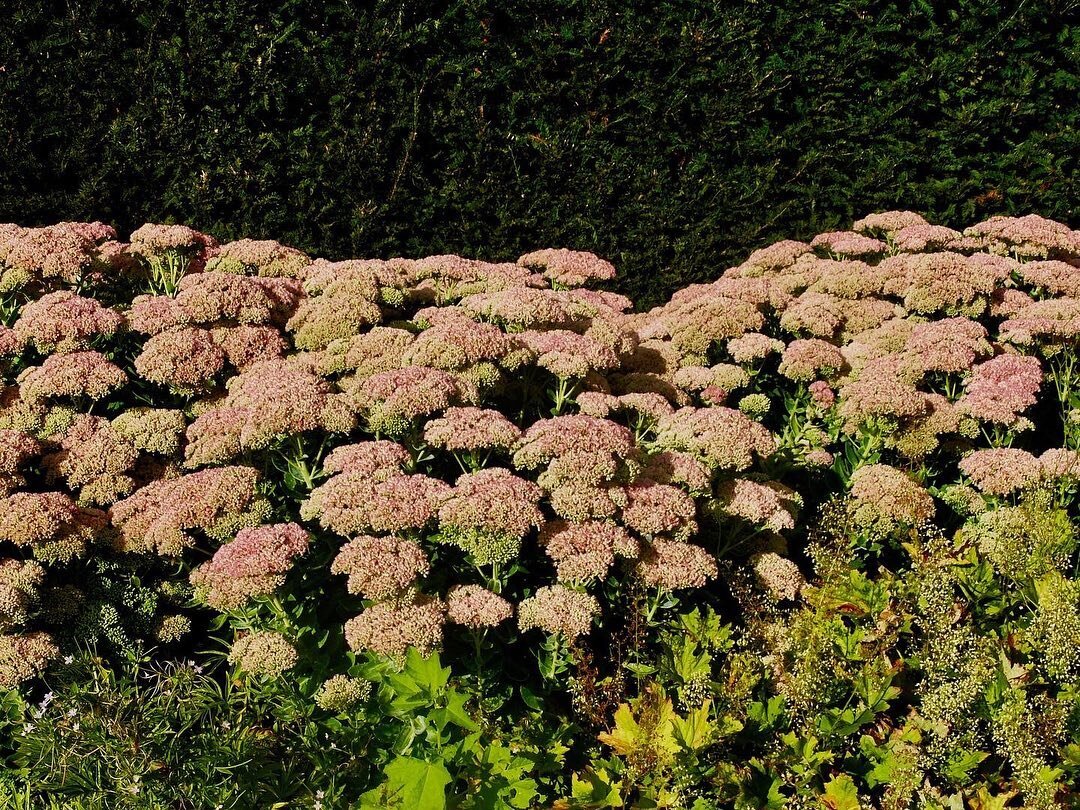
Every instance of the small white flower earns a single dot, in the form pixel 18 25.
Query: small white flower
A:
pixel 71 712
pixel 68 659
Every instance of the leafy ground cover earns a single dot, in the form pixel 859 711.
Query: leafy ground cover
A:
pixel 285 532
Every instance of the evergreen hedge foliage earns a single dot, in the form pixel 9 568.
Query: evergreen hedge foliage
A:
pixel 667 137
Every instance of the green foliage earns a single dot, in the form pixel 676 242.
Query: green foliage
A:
pixel 669 138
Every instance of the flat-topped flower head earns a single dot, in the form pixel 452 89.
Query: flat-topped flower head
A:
pixel 470 429
pixel 77 375
pixel 390 628
pixel 675 566
pixel 586 551
pixel 548 439
pixel 489 512
pixel 474 606
pixel 63 322
pixel 808 359
pixel 258 257
pixel 848 243
pixel 24 656
pixel 768 504
pixel 888 222
pixel 1030 236
pixel 253 564
pixel 1000 389
pixel 353 503
pixel 377 459
pixel 393 398
pixel 1001 470
pixel 884 498
pixel 380 567
pixel 162 516
pixel 722 437
pixel 263 653
pixel 50 525
pixel 183 359
pixel 559 610
pixel 568 268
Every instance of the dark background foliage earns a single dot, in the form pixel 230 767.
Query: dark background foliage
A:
pixel 670 137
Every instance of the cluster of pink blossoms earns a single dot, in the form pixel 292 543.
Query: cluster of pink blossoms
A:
pixel 481 440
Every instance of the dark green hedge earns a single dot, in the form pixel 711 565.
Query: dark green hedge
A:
pixel 670 137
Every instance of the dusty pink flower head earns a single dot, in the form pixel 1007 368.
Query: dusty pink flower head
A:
pixel 523 308
pixel 558 609
pixel 723 438
pixel 266 402
pixel 944 281
pixel 768 504
pixel 569 268
pixel 255 257
pixel 78 374
pixel 245 345
pixel 805 360
pixel 378 459
pixel 471 429
pixel 454 343
pixel 253 564
pixel 884 497
pixel 63 321
pixel 777 256
pixel 1053 277
pixel 393 398
pixel 549 439
pixel 568 354
pixel 753 346
pixel 888 222
pixel 950 345
pixel 93 460
pixel 380 567
pixel 1058 462
pixel 918 238
pixel 346 307
pixel 1048 321
pixel 390 628
pixel 695 326
pixel 884 388
pixel 1002 388
pixel 494 501
pixel 1002 470
pixel 659 509
pixel 353 503
pixel 380 349
pixel 207 298
pixel 151 239
pixel 184 359
pixel 154 314
pixel 65 251
pixel 673 565
pixel 849 243
pixel 585 551
pixel 162 515
pixel 16 449
pixel 24 656
pixel 822 395
pixel 675 467
pixel 475 607
pixel 49 524
pixel 779 576
pixel 1031 236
